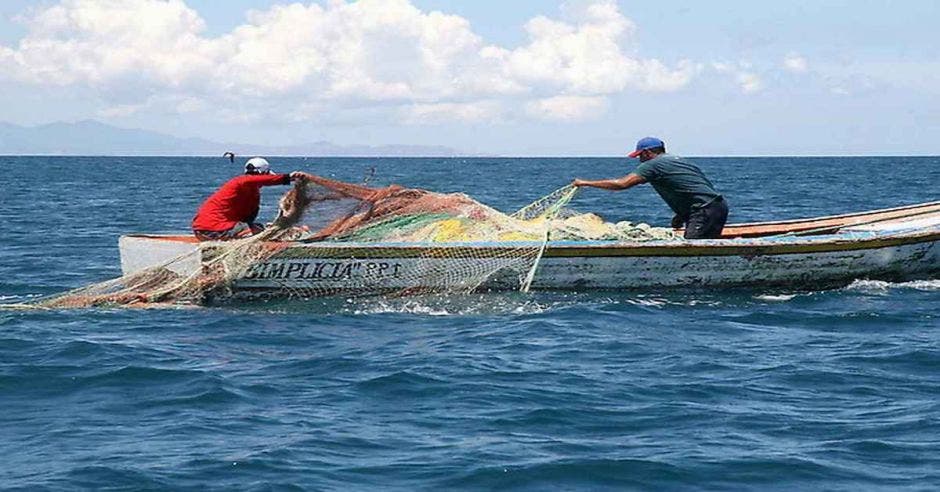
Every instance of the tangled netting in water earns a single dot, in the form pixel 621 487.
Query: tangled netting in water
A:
pixel 332 237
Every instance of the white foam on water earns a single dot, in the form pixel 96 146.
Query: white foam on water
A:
pixel 703 302
pixel 20 297
pixel 675 301
pixel 18 302
pixel 648 302
pixel 928 285
pixel 775 297
pixel 881 286
pixel 451 306
pixel 409 308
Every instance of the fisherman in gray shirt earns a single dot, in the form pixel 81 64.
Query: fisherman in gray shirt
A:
pixel 681 184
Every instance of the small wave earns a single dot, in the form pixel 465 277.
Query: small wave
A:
pixel 137 375
pixel 17 301
pixel 411 307
pixel 575 474
pixel 201 399
pixel 403 384
pixel 115 476
pixel 675 300
pixel 775 297
pixel 881 286
pixel 648 302
pixel 451 306
pixel 436 305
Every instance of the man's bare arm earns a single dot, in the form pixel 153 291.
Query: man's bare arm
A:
pixel 628 181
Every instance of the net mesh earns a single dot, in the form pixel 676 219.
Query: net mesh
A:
pixel 332 237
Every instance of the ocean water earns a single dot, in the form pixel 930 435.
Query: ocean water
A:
pixel 704 390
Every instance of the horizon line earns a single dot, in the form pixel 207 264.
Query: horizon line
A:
pixel 478 156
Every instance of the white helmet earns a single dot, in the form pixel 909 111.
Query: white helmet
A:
pixel 257 165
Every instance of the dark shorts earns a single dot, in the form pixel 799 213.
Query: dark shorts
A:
pixel 708 221
pixel 239 231
pixel 216 235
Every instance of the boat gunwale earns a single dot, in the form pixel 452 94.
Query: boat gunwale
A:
pixel 819 225
pixel 716 247
pixel 841 216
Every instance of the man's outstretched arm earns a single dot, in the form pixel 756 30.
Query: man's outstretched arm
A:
pixel 268 179
pixel 628 181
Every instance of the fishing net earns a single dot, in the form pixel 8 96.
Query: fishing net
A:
pixel 332 238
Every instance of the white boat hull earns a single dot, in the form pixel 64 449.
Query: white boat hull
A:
pixel 804 263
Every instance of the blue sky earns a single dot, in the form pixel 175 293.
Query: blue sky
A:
pixel 489 77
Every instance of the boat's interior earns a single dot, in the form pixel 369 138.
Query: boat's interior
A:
pixel 798 227
pixel 829 225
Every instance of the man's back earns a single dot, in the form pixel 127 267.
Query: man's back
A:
pixel 681 184
pixel 236 201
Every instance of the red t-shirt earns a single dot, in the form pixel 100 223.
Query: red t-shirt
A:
pixel 236 201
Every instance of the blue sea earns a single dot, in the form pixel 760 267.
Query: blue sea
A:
pixel 648 390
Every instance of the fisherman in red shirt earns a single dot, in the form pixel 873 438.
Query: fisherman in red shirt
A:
pixel 231 211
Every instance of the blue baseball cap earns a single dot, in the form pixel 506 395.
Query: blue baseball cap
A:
pixel 646 143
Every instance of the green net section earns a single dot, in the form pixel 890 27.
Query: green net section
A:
pixel 336 238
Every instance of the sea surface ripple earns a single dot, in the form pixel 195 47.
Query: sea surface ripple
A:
pixel 701 390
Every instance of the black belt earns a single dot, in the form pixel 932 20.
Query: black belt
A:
pixel 717 199
pixel 714 201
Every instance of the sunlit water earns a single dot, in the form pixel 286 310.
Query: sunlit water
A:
pixel 737 389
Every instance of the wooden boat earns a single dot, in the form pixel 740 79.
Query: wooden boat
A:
pixel 891 244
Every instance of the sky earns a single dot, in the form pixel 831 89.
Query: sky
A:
pixel 495 77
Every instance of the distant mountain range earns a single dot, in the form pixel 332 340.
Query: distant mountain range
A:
pixel 95 138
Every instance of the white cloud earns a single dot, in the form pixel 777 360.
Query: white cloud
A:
pixel 568 108
pixel 6 56
pixel 588 58
pixel 431 66
pixel 120 110
pixel 585 58
pixel 372 50
pixel 475 112
pixel 722 67
pixel 101 43
pixel 657 77
pixel 795 63
pixel 749 82
pixel 158 103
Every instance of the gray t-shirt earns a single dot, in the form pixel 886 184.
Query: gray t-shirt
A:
pixel 680 183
